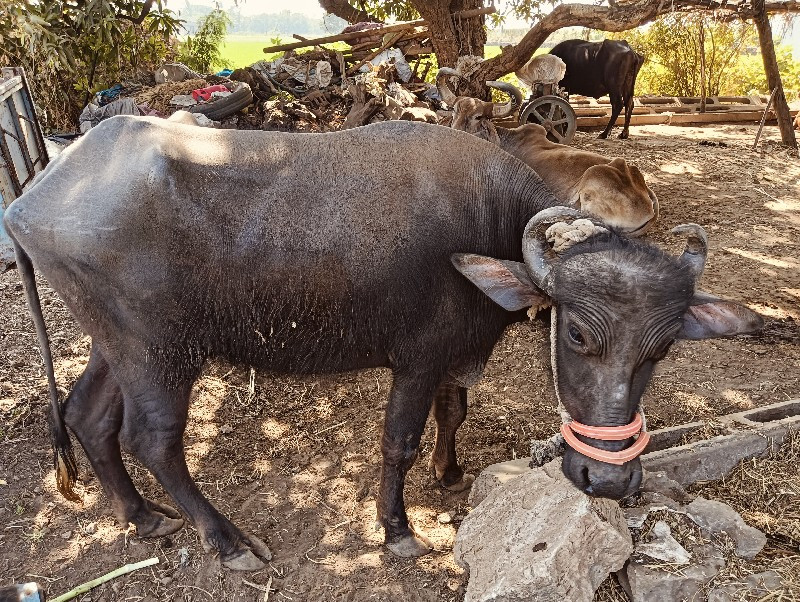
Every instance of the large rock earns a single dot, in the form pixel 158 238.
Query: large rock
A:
pixel 536 537
pixel 717 517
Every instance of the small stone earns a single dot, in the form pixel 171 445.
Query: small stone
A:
pixel 663 546
pixel 718 517
pixel 90 529
pixel 444 518
pixel 66 535
pixel 226 429
pixel 166 580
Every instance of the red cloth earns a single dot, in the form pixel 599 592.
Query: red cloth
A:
pixel 205 93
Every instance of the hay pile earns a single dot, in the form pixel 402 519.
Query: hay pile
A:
pixel 158 97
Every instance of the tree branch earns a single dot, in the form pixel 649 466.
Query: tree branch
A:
pixel 343 10
pixel 620 16
pixel 146 7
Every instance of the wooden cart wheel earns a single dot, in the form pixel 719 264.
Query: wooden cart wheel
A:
pixel 555 115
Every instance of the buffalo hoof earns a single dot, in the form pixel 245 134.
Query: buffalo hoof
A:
pixel 259 547
pixel 623 136
pixel 250 557
pixel 243 561
pixel 410 546
pixel 464 483
pixel 603 136
pixel 157 520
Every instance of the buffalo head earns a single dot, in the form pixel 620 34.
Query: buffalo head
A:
pixel 618 304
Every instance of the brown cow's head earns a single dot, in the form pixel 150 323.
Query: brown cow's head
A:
pixel 618 305
pixel 618 193
pixel 473 115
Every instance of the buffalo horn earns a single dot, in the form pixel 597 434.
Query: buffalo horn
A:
pixel 535 249
pixel 508 108
pixel 447 94
pixel 696 250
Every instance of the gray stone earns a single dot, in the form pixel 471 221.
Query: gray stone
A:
pixel 536 537
pixel 662 546
pixel 714 458
pixel 756 585
pixel 495 475
pixel 650 583
pixel 718 517
pixel 659 482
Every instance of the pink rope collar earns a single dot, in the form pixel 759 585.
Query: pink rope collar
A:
pixel 607 433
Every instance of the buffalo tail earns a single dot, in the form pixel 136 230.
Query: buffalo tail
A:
pixel 63 456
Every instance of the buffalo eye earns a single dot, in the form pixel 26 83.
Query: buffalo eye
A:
pixel 575 335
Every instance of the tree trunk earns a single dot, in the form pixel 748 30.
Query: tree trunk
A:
pixel 703 76
pixel 453 37
pixel 773 75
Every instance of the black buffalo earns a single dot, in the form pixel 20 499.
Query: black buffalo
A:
pixel 599 68
pixel 329 261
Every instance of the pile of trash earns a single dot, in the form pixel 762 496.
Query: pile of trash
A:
pixel 312 91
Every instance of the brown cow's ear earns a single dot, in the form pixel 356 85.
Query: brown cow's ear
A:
pixel 505 282
pixel 710 317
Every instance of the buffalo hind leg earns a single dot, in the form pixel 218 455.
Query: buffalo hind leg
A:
pixel 406 413
pixel 154 434
pixel 449 411
pixel 93 411
pixel 616 109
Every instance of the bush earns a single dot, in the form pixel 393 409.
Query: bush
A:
pixel 202 52
pixel 71 50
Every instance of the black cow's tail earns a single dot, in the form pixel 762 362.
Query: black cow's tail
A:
pixel 63 457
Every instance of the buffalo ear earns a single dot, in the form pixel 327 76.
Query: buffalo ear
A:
pixel 505 282
pixel 710 317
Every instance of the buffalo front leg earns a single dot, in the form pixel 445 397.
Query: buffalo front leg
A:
pixel 449 411
pixel 616 109
pixel 409 405
pixel 153 429
pixel 93 411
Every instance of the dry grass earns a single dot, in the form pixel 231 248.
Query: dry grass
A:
pixel 158 97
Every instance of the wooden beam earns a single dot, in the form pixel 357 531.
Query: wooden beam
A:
pixel 354 35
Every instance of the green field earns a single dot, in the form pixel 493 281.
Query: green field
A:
pixel 242 50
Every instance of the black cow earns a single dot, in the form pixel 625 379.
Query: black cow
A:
pixel 599 68
pixel 330 261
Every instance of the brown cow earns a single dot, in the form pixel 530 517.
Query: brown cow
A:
pixel 608 188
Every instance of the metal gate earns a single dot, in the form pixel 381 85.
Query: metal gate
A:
pixel 22 150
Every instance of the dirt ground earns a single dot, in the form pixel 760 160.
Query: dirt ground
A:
pixel 296 461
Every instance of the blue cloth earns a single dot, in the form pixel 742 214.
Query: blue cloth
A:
pixel 109 94
pixel 225 72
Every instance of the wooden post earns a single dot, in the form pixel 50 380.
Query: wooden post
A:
pixel 773 74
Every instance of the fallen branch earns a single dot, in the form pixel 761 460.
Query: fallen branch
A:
pixel 123 570
pixel 378 31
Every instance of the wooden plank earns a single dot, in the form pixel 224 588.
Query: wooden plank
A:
pixel 343 37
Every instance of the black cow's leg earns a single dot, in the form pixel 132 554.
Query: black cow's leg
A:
pixel 155 420
pixel 93 411
pixel 449 410
pixel 616 109
pixel 409 405
pixel 628 112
